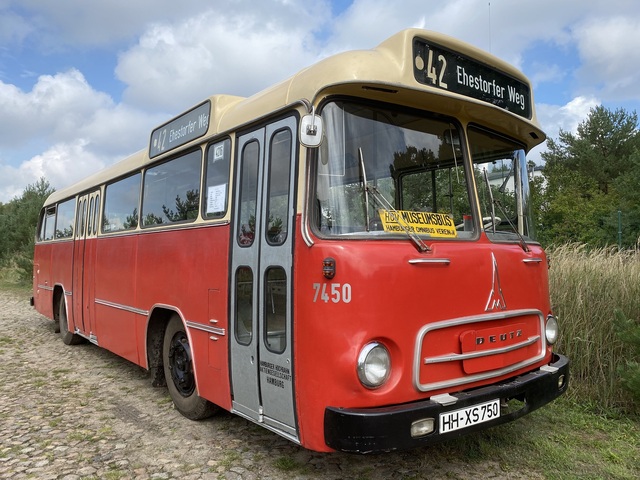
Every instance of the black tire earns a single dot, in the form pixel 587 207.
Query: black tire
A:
pixel 179 374
pixel 68 337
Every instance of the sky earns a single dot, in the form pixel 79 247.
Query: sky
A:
pixel 83 83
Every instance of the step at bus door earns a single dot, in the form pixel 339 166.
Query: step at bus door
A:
pixel 262 369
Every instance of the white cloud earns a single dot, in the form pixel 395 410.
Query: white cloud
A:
pixel 13 28
pixel 554 118
pixel 567 117
pixel 495 26
pixel 55 108
pixel 62 164
pixel 77 129
pixel 176 65
pixel 69 23
pixel 610 56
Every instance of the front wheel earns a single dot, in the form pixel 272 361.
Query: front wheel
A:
pixel 179 374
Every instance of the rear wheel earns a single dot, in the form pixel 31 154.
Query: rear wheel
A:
pixel 179 373
pixel 68 337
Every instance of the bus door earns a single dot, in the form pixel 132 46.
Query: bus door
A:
pixel 84 253
pixel 262 244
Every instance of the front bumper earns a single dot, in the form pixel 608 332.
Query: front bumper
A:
pixel 366 430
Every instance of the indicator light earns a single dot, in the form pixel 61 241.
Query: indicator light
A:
pixel 329 267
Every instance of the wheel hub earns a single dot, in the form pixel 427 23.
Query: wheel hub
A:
pixel 181 365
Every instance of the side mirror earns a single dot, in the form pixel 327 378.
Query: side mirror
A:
pixel 311 130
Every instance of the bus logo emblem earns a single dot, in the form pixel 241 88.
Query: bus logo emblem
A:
pixel 496 299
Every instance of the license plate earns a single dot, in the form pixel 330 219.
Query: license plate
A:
pixel 469 416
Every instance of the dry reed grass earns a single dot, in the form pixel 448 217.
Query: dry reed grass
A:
pixel 588 287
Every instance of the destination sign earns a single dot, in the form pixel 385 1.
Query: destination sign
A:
pixel 442 68
pixel 180 130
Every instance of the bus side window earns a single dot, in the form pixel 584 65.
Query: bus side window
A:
pixel 171 191
pixel 244 305
pixel 90 217
pixel 278 196
pixel 275 308
pixel 248 194
pixel 121 204
pixel 217 180
pixel 41 225
pixel 50 223
pixel 64 222
pixel 96 215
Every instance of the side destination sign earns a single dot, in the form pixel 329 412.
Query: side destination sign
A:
pixel 438 67
pixel 426 223
pixel 180 130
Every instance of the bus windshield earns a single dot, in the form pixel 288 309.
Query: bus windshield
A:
pixel 382 171
pixel 412 166
pixel 502 181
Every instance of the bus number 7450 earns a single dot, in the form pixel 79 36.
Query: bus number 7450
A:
pixel 336 292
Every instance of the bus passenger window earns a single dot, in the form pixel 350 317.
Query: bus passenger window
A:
pixel 41 225
pixel 217 175
pixel 244 305
pixel 172 191
pixel 248 194
pixel 49 223
pixel 278 199
pixel 96 215
pixel 64 222
pixel 275 309
pixel 121 204
pixel 90 217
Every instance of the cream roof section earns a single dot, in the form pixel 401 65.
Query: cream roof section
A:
pixel 390 64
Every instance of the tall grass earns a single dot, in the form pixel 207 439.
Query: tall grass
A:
pixel 587 287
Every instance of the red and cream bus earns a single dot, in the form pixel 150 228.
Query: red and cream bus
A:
pixel 346 258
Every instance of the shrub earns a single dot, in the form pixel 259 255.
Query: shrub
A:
pixel 629 332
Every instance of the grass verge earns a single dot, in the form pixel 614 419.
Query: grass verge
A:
pixel 10 281
pixel 563 440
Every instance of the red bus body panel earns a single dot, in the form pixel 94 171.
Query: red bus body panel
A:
pixel 186 271
pixel 391 301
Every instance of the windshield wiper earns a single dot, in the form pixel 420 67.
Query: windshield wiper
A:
pixel 503 187
pixel 493 210
pixel 494 202
pixel 376 195
pixel 365 188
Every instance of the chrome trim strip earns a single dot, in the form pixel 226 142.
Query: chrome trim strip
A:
pixel 484 353
pixel 532 260
pixel 306 236
pixel 206 328
pixel 436 261
pixel 417 362
pixel 122 307
pixel 46 287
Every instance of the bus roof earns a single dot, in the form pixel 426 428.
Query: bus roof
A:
pixel 390 64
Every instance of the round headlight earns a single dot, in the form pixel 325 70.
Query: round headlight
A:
pixel 374 365
pixel 551 330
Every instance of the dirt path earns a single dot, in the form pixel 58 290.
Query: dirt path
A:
pixel 82 413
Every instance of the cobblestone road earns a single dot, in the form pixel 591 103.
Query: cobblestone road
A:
pixel 81 412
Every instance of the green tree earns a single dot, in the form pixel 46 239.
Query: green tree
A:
pixel 589 176
pixel 18 220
